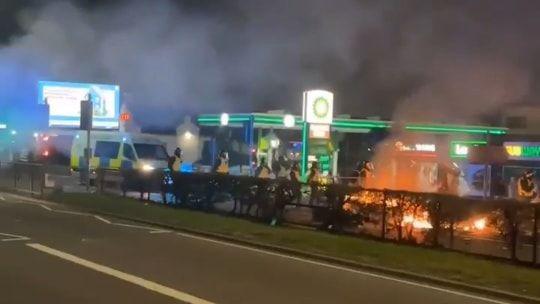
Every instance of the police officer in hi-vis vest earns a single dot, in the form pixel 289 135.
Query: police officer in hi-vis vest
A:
pixel 177 162
pixel 222 163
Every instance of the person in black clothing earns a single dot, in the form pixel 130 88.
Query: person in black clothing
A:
pixel 313 181
pixel 363 171
pixel 281 167
pixel 263 171
pixel 294 176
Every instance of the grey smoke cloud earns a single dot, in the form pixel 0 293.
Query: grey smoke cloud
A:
pixel 435 60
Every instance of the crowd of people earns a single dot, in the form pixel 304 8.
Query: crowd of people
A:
pixel 526 188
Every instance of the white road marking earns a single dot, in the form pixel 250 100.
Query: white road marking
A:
pixel 27 200
pixel 13 237
pixel 159 231
pixel 152 229
pixel 133 226
pixel 313 262
pixel 102 219
pixel 72 212
pixel 45 207
pixel 29 191
pixel 42 204
pixel 2 198
pixel 164 290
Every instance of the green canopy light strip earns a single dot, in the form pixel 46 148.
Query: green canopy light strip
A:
pixel 276 119
pixel 272 121
pixel 361 125
pixel 216 120
pixel 456 129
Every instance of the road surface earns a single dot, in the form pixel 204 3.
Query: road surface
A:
pixel 51 254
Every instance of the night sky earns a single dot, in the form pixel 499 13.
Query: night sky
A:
pixel 443 61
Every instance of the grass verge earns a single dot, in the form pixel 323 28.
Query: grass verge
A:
pixel 442 264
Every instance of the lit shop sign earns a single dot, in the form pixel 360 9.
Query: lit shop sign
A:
pixel 318 107
pixel 425 147
pixel 460 149
pixel 319 131
pixel 522 150
pixel 416 147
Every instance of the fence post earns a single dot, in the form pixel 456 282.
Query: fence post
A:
pixel 436 223
pixel 100 179
pixel 31 181
pixel 451 232
pixel 383 220
pixel 42 181
pixel 535 234
pixel 14 175
pixel 512 219
pixel 401 215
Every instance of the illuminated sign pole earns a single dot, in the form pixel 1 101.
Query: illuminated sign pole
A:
pixel 249 139
pixel 317 115
pixel 305 148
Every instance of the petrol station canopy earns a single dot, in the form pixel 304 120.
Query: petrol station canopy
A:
pixel 346 125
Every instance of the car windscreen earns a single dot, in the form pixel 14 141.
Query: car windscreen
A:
pixel 151 151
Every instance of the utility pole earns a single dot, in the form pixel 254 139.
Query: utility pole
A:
pixel 87 113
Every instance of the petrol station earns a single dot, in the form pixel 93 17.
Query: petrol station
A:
pixel 319 135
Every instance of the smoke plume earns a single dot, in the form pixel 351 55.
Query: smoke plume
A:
pixel 436 60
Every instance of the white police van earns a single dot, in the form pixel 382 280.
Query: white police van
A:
pixel 119 150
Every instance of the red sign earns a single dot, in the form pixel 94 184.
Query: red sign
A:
pixel 319 131
pixel 125 117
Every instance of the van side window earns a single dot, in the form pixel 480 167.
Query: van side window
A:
pixel 108 149
pixel 128 152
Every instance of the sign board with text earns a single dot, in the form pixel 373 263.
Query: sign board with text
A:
pixel 522 150
pixel 460 149
pixel 417 147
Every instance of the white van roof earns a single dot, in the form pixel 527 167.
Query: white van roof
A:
pixel 122 136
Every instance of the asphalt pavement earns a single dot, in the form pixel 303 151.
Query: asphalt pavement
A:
pixel 51 254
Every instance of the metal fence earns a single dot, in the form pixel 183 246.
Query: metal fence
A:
pixel 505 229
pixel 24 177
pixel 31 178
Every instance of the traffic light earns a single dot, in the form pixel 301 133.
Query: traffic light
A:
pixel 87 111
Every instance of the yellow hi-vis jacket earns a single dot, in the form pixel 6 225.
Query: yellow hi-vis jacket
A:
pixel 177 164
pixel 223 166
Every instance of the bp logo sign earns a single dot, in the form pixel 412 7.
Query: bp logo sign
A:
pixel 321 107
pixel 318 107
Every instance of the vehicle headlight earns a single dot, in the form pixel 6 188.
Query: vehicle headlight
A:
pixel 147 167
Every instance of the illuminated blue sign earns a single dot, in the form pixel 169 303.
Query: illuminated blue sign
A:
pixel 64 100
